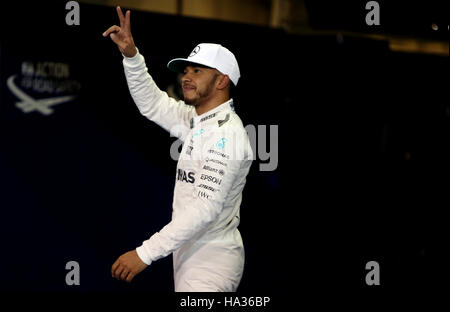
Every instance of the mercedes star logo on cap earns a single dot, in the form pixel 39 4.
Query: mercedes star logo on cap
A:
pixel 195 51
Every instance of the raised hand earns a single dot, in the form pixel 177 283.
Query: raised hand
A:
pixel 122 35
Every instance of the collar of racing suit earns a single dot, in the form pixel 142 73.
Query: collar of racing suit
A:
pixel 212 114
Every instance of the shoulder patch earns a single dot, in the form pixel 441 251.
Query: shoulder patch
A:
pixel 221 122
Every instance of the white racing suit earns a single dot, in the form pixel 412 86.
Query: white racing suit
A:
pixel 208 253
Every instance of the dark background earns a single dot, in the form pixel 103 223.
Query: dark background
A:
pixel 362 158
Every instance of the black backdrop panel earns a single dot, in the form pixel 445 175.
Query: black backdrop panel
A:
pixel 93 179
pixel 89 178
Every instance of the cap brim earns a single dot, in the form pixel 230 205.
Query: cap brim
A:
pixel 178 65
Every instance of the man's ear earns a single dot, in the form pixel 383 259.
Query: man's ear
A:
pixel 224 81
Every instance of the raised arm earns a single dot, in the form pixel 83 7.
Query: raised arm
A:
pixel 156 105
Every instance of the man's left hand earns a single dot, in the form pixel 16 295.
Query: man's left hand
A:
pixel 127 266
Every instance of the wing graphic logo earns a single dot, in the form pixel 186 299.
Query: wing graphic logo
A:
pixel 28 104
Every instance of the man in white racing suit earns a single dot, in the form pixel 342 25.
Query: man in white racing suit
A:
pixel 208 253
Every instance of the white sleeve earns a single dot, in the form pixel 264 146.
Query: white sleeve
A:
pixel 174 116
pixel 208 201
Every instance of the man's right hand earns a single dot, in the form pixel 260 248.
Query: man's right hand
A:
pixel 122 35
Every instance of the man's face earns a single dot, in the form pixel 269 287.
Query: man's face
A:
pixel 198 84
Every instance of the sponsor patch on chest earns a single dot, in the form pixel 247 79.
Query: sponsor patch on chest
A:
pixel 183 176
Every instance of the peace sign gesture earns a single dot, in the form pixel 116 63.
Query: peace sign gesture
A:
pixel 122 35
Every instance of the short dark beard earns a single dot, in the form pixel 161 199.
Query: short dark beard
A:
pixel 202 95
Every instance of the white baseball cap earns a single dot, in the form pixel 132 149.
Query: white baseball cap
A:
pixel 211 55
